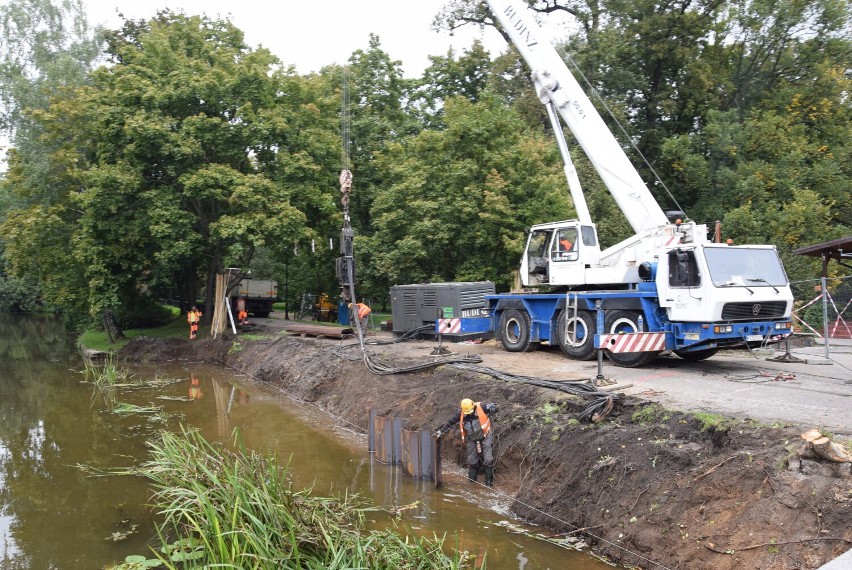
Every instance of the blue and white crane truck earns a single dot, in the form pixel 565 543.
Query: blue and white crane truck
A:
pixel 668 288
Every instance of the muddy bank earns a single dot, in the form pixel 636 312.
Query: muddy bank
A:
pixel 652 487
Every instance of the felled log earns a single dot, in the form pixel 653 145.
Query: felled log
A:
pixel 824 448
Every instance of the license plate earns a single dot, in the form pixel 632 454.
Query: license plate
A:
pixel 754 338
pixel 692 336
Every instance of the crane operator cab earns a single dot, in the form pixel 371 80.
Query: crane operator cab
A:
pixel 557 253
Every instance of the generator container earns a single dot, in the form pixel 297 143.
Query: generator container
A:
pixel 459 311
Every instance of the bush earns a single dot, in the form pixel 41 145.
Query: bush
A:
pixel 147 313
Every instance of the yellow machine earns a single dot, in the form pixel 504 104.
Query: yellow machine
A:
pixel 325 309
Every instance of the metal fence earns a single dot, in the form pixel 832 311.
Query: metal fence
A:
pixel 822 309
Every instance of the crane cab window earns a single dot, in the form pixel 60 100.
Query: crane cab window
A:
pixel 537 252
pixel 565 245
pixel 683 269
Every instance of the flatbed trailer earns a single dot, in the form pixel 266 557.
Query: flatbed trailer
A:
pixel 628 323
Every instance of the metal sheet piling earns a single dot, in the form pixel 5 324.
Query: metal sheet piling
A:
pixel 414 450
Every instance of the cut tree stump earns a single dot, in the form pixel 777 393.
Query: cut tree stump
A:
pixel 824 448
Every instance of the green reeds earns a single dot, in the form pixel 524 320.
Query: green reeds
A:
pixel 106 374
pixel 125 409
pixel 242 508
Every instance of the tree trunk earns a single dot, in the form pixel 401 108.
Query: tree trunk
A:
pixel 111 327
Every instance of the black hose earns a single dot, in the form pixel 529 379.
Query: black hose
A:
pixel 601 405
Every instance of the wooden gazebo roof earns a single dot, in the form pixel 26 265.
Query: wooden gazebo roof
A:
pixel 839 249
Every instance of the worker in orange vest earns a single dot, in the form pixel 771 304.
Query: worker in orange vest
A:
pixel 362 311
pixel 474 423
pixel 195 392
pixel 242 315
pixel 193 317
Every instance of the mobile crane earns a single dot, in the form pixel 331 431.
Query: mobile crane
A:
pixel 665 289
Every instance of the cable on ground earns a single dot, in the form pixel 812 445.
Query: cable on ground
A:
pixel 601 405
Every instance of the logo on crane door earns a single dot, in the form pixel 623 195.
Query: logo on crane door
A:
pixel 755 309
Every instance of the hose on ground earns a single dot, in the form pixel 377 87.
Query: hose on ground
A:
pixel 600 406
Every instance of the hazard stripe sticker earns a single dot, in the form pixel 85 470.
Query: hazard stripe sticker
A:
pixel 632 342
pixel 449 326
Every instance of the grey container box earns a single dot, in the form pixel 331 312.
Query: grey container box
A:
pixel 413 306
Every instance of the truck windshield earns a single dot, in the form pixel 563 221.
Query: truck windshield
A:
pixel 744 267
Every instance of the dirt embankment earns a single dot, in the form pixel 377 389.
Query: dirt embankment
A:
pixel 665 486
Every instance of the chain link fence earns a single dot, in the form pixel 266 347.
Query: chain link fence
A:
pixel 822 308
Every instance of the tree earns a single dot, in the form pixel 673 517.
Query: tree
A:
pixel 379 117
pixel 468 192
pixel 447 76
pixel 44 48
pixel 181 161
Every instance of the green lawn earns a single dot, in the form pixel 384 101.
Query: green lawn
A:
pixel 97 340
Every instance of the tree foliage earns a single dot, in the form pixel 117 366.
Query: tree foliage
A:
pixel 191 152
pixel 179 162
pixel 468 192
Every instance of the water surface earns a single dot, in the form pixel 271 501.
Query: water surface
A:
pixel 53 515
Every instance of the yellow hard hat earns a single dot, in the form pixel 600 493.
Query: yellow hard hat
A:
pixel 467 406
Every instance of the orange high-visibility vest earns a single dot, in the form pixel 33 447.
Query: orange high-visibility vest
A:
pixel 363 310
pixel 484 422
pixel 193 317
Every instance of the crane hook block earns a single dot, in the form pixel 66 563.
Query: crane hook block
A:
pixel 345 181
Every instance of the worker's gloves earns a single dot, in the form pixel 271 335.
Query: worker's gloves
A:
pixel 438 433
pixel 491 408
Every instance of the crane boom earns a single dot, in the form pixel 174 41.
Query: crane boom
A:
pixel 555 84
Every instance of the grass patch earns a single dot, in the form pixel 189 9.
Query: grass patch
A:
pixel 709 421
pixel 649 414
pixel 256 336
pixel 239 510
pixel 98 340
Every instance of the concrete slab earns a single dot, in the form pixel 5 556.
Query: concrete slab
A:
pixel 842 562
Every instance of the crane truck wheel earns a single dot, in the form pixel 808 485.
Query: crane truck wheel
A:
pixel 696 355
pixel 626 322
pixel 515 330
pixel 579 343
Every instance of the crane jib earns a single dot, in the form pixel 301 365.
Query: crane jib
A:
pixel 520 26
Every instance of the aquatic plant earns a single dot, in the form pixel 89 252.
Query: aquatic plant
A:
pixel 125 409
pixel 242 512
pixel 106 374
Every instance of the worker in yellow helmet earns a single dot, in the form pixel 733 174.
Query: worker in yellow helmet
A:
pixel 474 423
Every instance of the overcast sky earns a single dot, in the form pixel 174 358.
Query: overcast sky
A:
pixel 310 34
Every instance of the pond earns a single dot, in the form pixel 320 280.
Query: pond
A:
pixel 57 433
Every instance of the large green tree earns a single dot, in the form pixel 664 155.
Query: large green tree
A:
pixel 44 47
pixel 379 96
pixel 181 160
pixel 468 192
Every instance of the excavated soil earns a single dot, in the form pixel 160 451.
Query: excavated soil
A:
pixel 652 487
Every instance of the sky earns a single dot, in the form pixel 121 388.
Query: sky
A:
pixel 311 34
